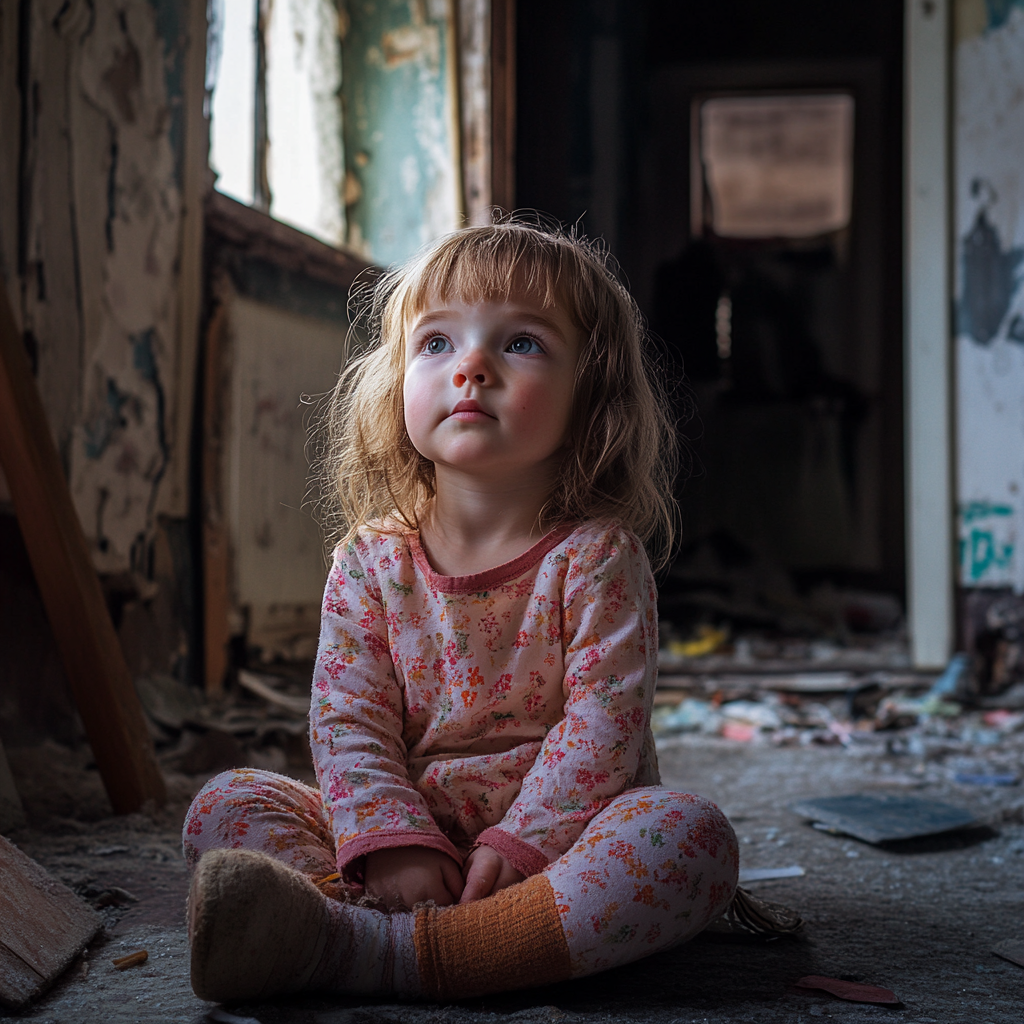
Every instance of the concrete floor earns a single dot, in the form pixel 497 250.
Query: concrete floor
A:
pixel 920 920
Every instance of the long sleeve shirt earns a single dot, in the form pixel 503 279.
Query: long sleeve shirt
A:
pixel 506 708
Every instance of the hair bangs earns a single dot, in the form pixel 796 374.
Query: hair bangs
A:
pixel 490 264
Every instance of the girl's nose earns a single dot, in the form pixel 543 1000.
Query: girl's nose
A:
pixel 472 369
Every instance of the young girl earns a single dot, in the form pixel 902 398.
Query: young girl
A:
pixel 489 814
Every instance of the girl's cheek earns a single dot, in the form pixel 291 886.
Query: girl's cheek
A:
pixel 416 407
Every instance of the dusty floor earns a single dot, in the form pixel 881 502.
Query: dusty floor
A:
pixel 920 920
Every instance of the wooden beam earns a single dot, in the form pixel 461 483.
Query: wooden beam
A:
pixel 216 549
pixel 194 172
pixel 503 103
pixel 100 681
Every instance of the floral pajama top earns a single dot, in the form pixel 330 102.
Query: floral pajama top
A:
pixel 504 708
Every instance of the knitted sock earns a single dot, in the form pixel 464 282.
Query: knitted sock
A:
pixel 511 940
pixel 258 928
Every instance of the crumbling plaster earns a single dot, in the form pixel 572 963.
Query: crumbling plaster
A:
pixel 94 268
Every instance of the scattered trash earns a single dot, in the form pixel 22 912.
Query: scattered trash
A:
pixel 122 963
pixel 221 1016
pixel 111 896
pixel 852 991
pixel 1002 779
pixel 167 701
pixel 264 685
pixel 761 716
pixel 884 818
pixel 687 716
pixel 707 641
pixel 950 682
pixel 769 874
pixel 1010 949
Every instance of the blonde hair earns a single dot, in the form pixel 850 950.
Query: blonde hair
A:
pixel 621 453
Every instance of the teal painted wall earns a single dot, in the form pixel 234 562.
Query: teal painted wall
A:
pixel 402 185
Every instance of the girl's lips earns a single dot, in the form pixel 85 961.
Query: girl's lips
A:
pixel 468 410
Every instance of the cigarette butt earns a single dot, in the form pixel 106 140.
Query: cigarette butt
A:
pixel 122 963
pixel 336 877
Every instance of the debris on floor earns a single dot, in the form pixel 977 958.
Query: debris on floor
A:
pixel 937 724
pixel 748 875
pixel 262 723
pixel 852 991
pixel 122 963
pixel 1010 949
pixel 43 927
pixel 884 818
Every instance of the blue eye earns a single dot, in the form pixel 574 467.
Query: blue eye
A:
pixel 436 345
pixel 524 346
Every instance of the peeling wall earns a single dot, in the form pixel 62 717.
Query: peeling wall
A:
pixel 402 174
pixel 95 264
pixel 989 253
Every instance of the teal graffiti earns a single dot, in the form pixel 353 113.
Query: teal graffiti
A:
pixel 999 11
pixel 982 510
pixel 981 553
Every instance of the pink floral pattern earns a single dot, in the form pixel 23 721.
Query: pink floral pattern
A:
pixel 508 708
pixel 649 871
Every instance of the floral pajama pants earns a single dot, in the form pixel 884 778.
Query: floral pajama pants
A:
pixel 651 870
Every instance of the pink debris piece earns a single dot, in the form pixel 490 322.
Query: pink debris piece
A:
pixel 850 990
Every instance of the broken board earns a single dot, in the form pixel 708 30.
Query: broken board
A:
pixel 1010 949
pixel 884 818
pixel 43 927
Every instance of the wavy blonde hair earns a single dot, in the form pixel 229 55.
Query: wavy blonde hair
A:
pixel 621 454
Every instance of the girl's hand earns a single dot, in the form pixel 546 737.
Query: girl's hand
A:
pixel 408 875
pixel 485 873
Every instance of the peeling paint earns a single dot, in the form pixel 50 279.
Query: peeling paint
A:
pixel 989 280
pixel 989 200
pixel 402 175
pixel 121 451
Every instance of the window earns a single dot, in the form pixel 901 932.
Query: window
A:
pixel 371 160
pixel 773 166
pixel 274 76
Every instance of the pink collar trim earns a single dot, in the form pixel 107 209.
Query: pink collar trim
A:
pixel 490 578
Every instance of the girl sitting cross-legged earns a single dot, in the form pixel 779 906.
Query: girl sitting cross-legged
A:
pixel 489 814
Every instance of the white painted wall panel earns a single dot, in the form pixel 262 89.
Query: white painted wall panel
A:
pixel 277 357
pixel 989 226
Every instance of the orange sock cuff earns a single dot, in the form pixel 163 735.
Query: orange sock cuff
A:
pixel 511 940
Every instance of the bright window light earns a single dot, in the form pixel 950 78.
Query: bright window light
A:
pixel 232 110
pixel 304 156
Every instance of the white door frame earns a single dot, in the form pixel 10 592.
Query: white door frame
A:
pixel 928 413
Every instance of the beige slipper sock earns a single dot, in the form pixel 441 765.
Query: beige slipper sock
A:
pixel 259 928
pixel 256 927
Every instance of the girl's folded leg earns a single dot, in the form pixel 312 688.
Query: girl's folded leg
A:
pixel 650 871
pixel 251 809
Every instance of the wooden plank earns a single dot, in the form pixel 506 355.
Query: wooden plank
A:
pixel 194 174
pixel 503 103
pixel 71 592
pixel 43 927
